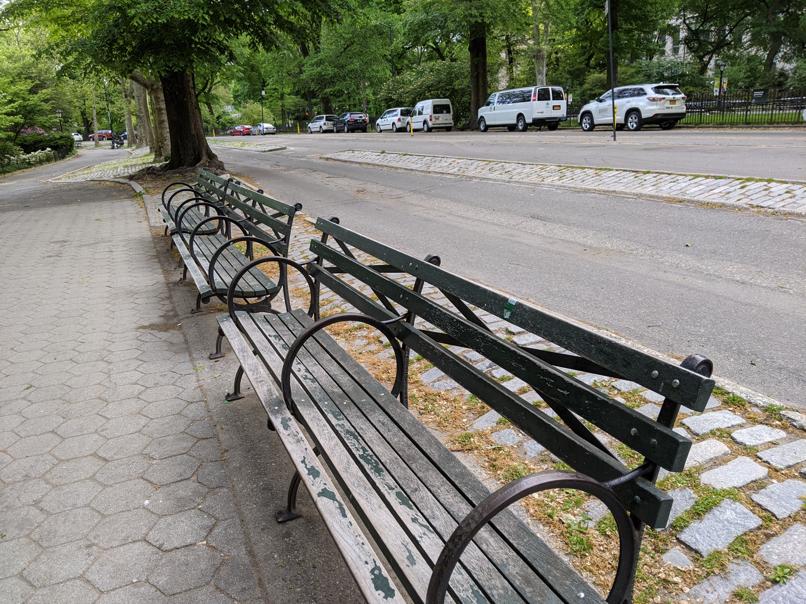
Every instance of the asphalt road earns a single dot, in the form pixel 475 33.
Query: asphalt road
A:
pixel 677 278
pixel 758 153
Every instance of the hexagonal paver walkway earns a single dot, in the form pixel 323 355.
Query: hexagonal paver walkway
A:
pixel 104 431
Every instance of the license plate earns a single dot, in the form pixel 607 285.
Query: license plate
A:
pixel 555 107
pixel 673 102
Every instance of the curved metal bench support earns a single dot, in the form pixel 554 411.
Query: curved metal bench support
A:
pixel 187 186
pixel 250 241
pixel 519 489
pixel 290 513
pixel 309 332
pixel 236 388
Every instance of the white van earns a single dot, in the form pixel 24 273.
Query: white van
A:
pixel 518 107
pixel 432 114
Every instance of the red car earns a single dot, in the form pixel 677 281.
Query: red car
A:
pixel 241 130
pixel 102 135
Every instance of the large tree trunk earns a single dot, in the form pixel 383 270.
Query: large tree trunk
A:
pixel 94 119
pixel 145 135
pixel 160 126
pixel 127 101
pixel 477 46
pixel 539 41
pixel 188 143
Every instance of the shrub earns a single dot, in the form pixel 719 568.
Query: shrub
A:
pixel 61 144
pixel 8 149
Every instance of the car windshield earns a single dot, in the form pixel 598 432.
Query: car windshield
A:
pixel 358 115
pixel 441 108
pixel 405 111
pixel 666 90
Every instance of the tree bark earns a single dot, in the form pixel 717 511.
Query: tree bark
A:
pixel 145 135
pixel 539 40
pixel 477 47
pixel 127 97
pixel 160 125
pixel 94 119
pixel 189 146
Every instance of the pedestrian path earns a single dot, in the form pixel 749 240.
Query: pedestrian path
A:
pixel 734 192
pixel 113 484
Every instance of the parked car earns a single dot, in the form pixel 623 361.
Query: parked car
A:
pixel 636 105
pixel 264 128
pixel 77 137
pixel 394 120
pixel 517 108
pixel 241 130
pixel 322 123
pixel 432 114
pixel 101 135
pixel 352 121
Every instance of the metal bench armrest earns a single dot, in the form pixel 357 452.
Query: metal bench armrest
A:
pixel 247 238
pixel 232 307
pixel 513 492
pixel 184 187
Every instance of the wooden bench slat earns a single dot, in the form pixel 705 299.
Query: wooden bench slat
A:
pixel 322 388
pixel 659 443
pixel 374 411
pixel 403 551
pixel 374 581
pixel 693 389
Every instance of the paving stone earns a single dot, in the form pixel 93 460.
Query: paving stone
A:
pixel 71 591
pixel 206 450
pixel 677 557
pixel 60 563
pixel 526 339
pixel 171 424
pixel 488 420
pixel 129 495
pixel 179 530
pixel 33 445
pixel 444 385
pixel 120 426
pixel 123 469
pixel 786 455
pixel 782 498
pixel 719 527
pixel 141 593
pixel 123 446
pixel 73 495
pixel 625 385
pixel 123 528
pixel 650 410
pixel 227 537
pixel 757 435
pixel 123 565
pixel 26 468
pixel 38 425
pixel 66 526
pixel 78 446
pixel 506 437
pixel 23 493
pixel 431 375
pixel 177 497
pixel 792 592
pixel 515 384
pixel 168 446
pixel 15 555
pixel 702 424
pixel 186 568
pixel 712 403
pixel 14 590
pixel 235 577
pixel 207 594
pixel 532 448
pixel 73 470
pixel 19 521
pixel 717 589
pixel 705 451
pixel 588 378
pixel 682 501
pixel 736 473
pixel 220 504
pixel 171 469
pixel 787 548
pixel 798 420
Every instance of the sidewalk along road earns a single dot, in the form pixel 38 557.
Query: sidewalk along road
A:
pixel 778 154
pixel 677 278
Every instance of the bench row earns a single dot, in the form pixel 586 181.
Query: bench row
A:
pixel 412 522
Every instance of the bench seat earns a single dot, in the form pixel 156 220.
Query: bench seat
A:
pixel 410 484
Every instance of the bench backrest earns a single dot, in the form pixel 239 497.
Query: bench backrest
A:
pixel 211 185
pixel 456 323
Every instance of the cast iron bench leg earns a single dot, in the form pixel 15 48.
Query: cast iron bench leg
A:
pixel 236 389
pixel 289 513
pixel 218 341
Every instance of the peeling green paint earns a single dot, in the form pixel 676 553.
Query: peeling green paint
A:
pixel 381 583
pixel 328 494
pixel 311 471
pixel 404 499
pixel 285 422
pixel 410 556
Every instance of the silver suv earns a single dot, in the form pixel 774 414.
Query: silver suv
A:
pixel 636 105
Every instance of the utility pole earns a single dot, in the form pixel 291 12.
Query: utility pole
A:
pixel 612 63
pixel 262 98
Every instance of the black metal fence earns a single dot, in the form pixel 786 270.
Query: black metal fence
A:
pixel 741 107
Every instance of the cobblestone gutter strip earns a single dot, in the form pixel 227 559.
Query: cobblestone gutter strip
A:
pixel 735 192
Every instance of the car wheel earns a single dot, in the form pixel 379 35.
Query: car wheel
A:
pixel 586 122
pixel 394 128
pixel 520 123
pixel 426 127
pixel 309 130
pixel 668 125
pixel 553 126
pixel 483 125
pixel 633 120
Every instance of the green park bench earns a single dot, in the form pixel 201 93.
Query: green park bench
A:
pixel 412 522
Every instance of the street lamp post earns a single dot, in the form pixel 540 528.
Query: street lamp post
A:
pixel 59 114
pixel 262 98
pixel 720 65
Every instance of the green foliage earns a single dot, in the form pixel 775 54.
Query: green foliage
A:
pixel 782 573
pixel 745 594
pixel 61 144
pixel 8 149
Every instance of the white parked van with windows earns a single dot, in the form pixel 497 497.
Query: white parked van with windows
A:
pixel 517 108
pixel 432 114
